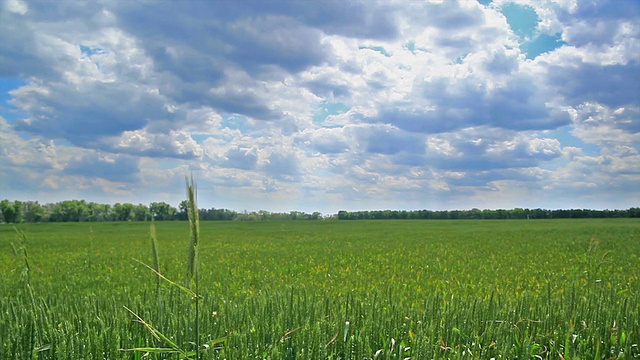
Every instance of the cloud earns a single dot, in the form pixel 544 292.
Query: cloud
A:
pixel 388 140
pixel 328 87
pixel 358 19
pixel 109 167
pixel 282 166
pixel 458 103
pixel 608 128
pixel 238 158
pixel 329 103
pixel 324 140
pixel 486 179
pixel 35 153
pixel 279 41
pixel 482 153
pixel 609 85
pixel 178 144
pixel 108 109
pixel 453 16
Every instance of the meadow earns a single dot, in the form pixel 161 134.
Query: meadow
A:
pixel 388 289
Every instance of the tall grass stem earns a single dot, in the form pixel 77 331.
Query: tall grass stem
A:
pixel 192 259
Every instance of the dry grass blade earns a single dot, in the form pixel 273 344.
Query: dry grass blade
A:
pixel 158 335
pixel 332 339
pixel 153 350
pixel 185 289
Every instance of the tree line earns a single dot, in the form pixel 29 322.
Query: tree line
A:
pixel 517 213
pixel 81 211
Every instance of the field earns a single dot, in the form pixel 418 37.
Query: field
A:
pixel 556 289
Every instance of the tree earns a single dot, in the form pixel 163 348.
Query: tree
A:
pixel 123 212
pixel 162 211
pixel 70 210
pixel 33 211
pixel 141 213
pixel 9 212
pixel 98 212
pixel 182 210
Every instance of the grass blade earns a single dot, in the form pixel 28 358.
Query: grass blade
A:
pixel 158 335
pixel 185 289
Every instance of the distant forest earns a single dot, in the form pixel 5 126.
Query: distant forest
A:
pixel 82 211
pixel 517 213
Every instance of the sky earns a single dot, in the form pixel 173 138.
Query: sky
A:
pixel 322 105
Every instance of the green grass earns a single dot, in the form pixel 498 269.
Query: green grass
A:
pixel 328 290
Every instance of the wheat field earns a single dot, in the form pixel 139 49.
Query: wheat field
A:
pixel 388 289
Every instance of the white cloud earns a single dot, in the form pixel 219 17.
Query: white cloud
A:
pixel 16 7
pixel 598 124
pixel 178 144
pixel 35 153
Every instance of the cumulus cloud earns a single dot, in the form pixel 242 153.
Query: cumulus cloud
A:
pixel 35 153
pixel 282 166
pixel 240 158
pixel 387 140
pixel 474 150
pixel 178 144
pixel 106 109
pixel 109 167
pixel 324 140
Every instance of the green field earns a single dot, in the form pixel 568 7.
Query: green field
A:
pixel 327 289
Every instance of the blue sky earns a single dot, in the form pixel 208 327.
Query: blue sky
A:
pixel 323 105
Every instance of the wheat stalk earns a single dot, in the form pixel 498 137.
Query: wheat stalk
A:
pixel 156 257
pixel 194 227
pixel 192 257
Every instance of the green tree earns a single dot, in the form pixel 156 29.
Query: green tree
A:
pixel 8 210
pixel 182 210
pixel 162 211
pixel 69 210
pixel 123 212
pixel 33 211
pixel 141 213
pixel 98 212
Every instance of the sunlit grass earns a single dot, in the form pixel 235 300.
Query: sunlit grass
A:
pixel 328 290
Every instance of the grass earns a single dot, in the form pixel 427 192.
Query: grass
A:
pixel 328 290
pixel 191 283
